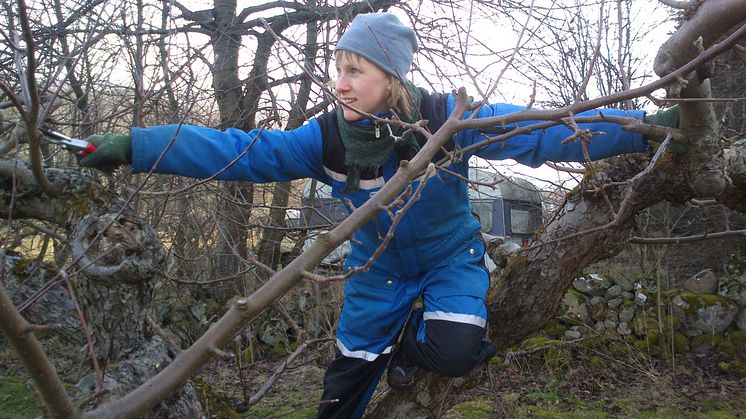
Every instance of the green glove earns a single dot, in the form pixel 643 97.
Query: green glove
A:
pixel 112 151
pixel 666 118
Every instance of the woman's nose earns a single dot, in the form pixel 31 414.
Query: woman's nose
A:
pixel 341 85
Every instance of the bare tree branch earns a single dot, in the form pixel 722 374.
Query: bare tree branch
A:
pixel 16 329
pixel 687 239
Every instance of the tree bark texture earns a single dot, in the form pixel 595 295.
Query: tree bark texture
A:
pixel 117 257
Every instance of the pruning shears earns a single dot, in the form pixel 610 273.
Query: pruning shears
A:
pixel 80 147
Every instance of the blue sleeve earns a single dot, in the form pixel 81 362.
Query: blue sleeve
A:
pixel 534 148
pixel 199 152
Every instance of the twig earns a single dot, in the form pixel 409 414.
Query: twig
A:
pixel 31 116
pixel 218 353
pixel 470 181
pixel 443 398
pixel 259 395
pixel 395 220
pixel 86 331
pixel 594 58
pixel 688 239
pixel 44 230
pixel 584 137
pixel 160 332
pixel 559 168
pixel 700 99
pixel 532 115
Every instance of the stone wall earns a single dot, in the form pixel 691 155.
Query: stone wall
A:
pixel 707 313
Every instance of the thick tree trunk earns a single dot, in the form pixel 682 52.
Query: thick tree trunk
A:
pixel 117 256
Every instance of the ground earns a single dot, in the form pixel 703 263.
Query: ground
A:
pixel 576 381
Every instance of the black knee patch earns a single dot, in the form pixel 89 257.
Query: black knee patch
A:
pixel 450 349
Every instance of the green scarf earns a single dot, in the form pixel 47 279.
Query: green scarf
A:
pixel 363 151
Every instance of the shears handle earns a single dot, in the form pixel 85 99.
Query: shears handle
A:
pixel 89 148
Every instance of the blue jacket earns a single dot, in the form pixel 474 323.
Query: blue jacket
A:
pixel 438 223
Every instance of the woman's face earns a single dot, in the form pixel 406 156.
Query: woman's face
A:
pixel 361 84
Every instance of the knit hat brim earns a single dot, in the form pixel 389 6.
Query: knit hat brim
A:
pixel 383 40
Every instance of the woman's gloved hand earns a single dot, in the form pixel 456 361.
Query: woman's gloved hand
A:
pixel 112 151
pixel 668 118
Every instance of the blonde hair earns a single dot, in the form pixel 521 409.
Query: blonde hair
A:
pixel 399 99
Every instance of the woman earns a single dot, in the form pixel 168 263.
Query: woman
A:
pixel 436 253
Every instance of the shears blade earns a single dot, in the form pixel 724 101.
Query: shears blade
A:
pixel 80 147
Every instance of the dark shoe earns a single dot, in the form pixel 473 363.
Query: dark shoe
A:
pixel 488 350
pixel 401 374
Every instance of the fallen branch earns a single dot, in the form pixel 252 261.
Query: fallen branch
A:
pixel 259 395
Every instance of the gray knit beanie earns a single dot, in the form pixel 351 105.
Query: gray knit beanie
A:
pixel 383 40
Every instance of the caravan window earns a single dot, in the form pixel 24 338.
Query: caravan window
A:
pixel 520 221
pixel 483 209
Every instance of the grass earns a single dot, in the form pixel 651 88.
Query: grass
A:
pixel 606 383
pixel 17 401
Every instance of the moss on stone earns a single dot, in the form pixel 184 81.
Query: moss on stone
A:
pixel 726 346
pixel 705 343
pixel 667 294
pixel 652 334
pixel 735 367
pixel 671 322
pixel 654 342
pixel 212 401
pixel 738 338
pixel 481 408
pixel 695 302
pixel 539 341
pixel 575 293
pixel 651 323
pixel 619 348
pixel 278 351
pixel 555 330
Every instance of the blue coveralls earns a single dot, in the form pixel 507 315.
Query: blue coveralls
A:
pixel 435 253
